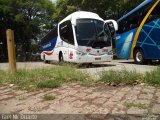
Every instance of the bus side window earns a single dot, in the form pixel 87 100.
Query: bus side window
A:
pixel 66 32
pixel 52 34
pixel 121 27
pixel 155 13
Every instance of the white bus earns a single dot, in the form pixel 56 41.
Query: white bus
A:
pixel 82 37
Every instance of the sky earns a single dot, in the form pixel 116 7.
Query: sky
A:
pixel 53 1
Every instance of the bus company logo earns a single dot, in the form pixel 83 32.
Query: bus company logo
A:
pixel 46 46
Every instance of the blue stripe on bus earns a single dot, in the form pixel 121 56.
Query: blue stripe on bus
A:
pixel 49 46
pixel 152 26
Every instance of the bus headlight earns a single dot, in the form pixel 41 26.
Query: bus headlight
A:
pixel 80 53
pixel 110 52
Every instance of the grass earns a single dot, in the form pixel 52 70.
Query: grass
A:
pixel 138 105
pixel 49 97
pixel 153 78
pixel 49 84
pixel 131 77
pixel 121 77
pixel 3 76
pixel 44 77
pixel 54 77
pixel 22 97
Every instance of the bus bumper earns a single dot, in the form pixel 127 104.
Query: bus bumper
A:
pixel 93 59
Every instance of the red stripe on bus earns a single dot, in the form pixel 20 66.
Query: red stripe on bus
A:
pixel 48 53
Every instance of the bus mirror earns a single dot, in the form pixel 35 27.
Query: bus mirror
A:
pixel 109 28
pixel 105 28
pixel 113 23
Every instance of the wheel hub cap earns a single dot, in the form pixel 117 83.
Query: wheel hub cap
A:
pixel 139 56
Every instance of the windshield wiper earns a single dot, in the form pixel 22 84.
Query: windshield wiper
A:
pixel 88 42
pixel 100 33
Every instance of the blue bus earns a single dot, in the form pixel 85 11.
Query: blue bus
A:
pixel 138 36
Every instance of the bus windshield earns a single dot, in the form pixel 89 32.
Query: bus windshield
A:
pixel 90 32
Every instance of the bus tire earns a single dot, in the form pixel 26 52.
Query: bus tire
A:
pixel 44 59
pixel 89 65
pixel 61 57
pixel 139 57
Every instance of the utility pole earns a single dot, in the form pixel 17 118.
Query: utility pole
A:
pixel 11 51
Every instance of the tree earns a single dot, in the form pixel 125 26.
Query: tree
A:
pixel 105 8
pixel 31 19
pixel 63 8
pixel 28 18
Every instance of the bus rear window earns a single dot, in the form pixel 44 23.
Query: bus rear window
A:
pixel 51 35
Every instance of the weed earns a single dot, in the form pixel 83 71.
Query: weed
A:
pixel 22 97
pixel 35 79
pixel 121 77
pixel 49 97
pixel 54 77
pixel 3 77
pixel 138 105
pixel 144 92
pixel 153 78
pixel 49 84
pixel 128 105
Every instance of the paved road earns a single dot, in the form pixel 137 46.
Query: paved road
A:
pixel 25 65
pixel 119 65
pixel 93 102
pixel 114 65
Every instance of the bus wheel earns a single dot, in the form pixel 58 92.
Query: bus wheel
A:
pixel 44 59
pixel 139 57
pixel 61 57
pixel 89 65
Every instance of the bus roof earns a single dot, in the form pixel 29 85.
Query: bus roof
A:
pixel 134 10
pixel 81 14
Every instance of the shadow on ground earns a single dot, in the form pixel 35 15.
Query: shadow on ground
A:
pixel 155 63
pixel 86 66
